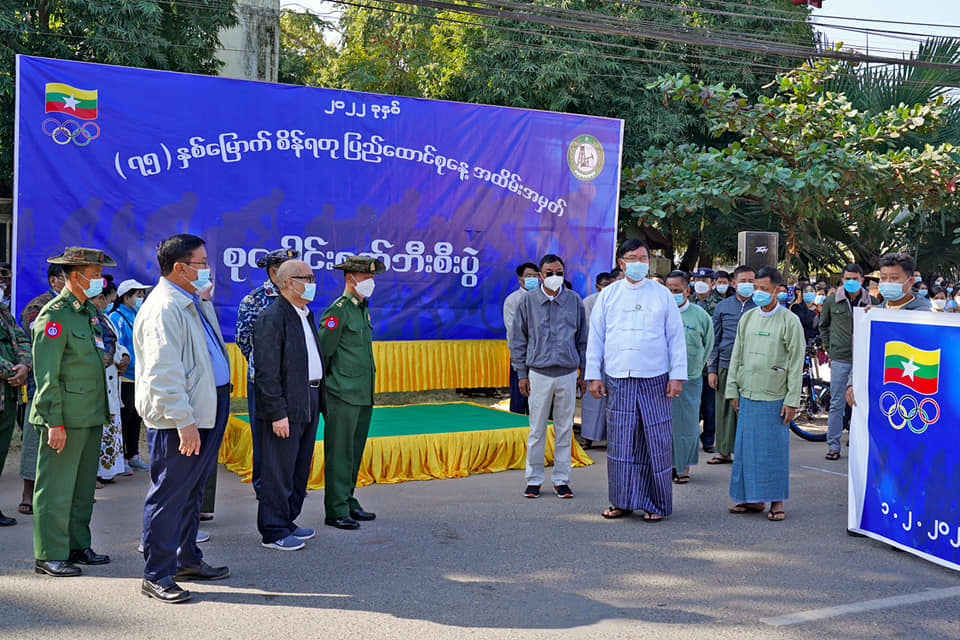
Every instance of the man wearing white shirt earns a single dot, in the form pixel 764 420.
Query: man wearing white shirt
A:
pixel 290 398
pixel 528 275
pixel 637 333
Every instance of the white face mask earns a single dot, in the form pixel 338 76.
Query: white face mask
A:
pixel 553 283
pixel 938 304
pixel 364 287
pixel 701 287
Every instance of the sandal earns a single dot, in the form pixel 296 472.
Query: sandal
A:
pixel 718 459
pixel 612 512
pixel 681 478
pixel 25 508
pixel 649 516
pixel 832 455
pixel 745 507
pixel 776 516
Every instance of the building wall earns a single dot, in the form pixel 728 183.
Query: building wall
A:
pixel 251 50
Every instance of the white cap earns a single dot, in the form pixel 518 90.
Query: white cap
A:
pixel 129 285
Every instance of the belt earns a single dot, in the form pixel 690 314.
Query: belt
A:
pixel 315 384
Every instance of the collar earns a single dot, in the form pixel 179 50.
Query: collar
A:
pixel 633 285
pixel 269 288
pixel 349 295
pixel 548 297
pixel 910 298
pixel 767 314
pixel 683 307
pixel 841 295
pixel 178 293
pixel 72 301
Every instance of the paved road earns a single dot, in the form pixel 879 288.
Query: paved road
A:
pixel 470 558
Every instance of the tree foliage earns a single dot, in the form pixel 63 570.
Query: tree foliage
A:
pixel 170 34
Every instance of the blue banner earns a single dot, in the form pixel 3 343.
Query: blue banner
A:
pixel 450 196
pixel 905 466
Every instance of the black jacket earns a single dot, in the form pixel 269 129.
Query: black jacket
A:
pixel 281 382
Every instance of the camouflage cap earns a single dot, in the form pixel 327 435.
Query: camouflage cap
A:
pixel 82 256
pixel 361 264
pixel 277 256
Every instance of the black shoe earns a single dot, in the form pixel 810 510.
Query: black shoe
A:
pixel 165 590
pixel 709 449
pixel 563 491
pixel 360 514
pixel 57 568
pixel 532 491
pixel 202 572
pixel 342 523
pixel 88 556
pixel 6 522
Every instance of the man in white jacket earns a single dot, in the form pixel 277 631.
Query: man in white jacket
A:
pixel 183 395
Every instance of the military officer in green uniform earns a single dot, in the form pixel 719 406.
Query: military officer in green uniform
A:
pixel 15 365
pixel 69 408
pixel 347 346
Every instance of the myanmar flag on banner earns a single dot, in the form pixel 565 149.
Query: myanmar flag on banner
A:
pixel 79 103
pixel 914 368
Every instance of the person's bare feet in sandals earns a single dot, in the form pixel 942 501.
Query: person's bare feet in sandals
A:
pixel 681 478
pixel 776 513
pixel 649 516
pixel 747 507
pixel 612 512
pixel 720 459
pixel 832 455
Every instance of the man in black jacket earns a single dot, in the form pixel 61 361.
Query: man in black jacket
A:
pixel 290 398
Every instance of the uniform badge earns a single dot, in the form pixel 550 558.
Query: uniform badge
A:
pixel 94 321
pixel 331 323
pixel 52 330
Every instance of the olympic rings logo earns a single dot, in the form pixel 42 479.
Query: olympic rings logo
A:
pixel 63 132
pixel 902 411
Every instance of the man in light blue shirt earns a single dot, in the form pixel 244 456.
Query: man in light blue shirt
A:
pixel 637 332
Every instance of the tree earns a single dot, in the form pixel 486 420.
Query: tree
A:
pixel 169 34
pixel 805 154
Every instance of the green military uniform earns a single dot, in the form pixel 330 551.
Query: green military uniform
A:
pixel 71 392
pixel 346 338
pixel 14 350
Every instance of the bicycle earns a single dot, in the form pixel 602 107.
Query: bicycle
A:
pixel 814 397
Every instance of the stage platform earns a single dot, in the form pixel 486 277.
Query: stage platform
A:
pixel 418 442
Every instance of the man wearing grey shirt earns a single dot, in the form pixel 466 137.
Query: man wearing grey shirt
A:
pixel 548 345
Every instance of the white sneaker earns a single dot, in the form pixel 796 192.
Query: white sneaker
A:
pixel 203 536
pixel 290 543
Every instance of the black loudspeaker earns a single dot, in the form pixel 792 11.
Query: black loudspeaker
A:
pixel 758 248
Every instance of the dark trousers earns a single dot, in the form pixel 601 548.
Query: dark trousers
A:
pixel 285 471
pixel 171 513
pixel 708 413
pixel 518 401
pixel 130 420
pixel 254 438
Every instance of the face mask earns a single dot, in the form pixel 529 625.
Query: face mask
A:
pixel 745 289
pixel 809 297
pixel 95 287
pixel 701 287
pixel 203 278
pixel 760 298
pixel 530 283
pixel 680 298
pixel 819 299
pixel 891 290
pixel 922 293
pixel 309 291
pixel 917 279
pixel 637 270
pixel 949 289
pixel 553 283
pixel 137 303
pixel 851 286
pixel 782 296
pixel 722 289
pixel 939 304
pixel 365 288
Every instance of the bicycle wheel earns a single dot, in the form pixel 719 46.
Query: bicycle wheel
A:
pixel 810 436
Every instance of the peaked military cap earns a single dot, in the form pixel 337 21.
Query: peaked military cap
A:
pixel 82 256
pixel 703 272
pixel 361 264
pixel 277 256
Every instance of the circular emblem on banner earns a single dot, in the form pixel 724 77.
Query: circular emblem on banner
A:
pixel 585 157
pixel 331 323
pixel 52 330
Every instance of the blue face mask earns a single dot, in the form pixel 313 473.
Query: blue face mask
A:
pixel 679 297
pixel 760 298
pixel 917 279
pixel 949 289
pixel 203 278
pixel 809 297
pixel 637 270
pixel 309 291
pixel 922 293
pixel 851 286
pixel 782 296
pixel 891 290
pixel 530 283
pixel 745 289
pixel 137 303
pixel 94 288
pixel 722 289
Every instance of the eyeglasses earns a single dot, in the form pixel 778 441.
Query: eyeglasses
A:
pixel 310 278
pixel 204 264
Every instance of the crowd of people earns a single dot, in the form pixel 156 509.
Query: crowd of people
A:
pixel 678 361
pixel 98 362
pixel 665 365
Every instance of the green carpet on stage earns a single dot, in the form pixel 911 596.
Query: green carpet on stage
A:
pixel 433 418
